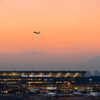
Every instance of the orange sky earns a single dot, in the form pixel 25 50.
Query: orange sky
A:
pixel 62 23
pixel 66 26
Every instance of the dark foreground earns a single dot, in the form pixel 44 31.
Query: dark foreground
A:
pixel 40 97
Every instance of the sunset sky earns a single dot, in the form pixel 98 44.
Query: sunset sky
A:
pixel 69 33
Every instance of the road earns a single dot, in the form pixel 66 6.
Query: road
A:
pixel 39 97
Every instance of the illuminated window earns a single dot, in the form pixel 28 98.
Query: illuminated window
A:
pixel 40 73
pixel 38 82
pixel 64 82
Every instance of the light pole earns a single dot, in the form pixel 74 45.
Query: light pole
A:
pixel 5 83
pixel 90 82
pixel 45 84
pixel 28 89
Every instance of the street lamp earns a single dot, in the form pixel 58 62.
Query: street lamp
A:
pixel 28 88
pixel 90 82
pixel 5 82
pixel 45 83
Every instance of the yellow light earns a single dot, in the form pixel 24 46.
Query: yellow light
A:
pixel 64 82
pixel 19 79
pixel 66 75
pixel 57 81
pixel 22 73
pixel 13 74
pixel 75 74
pixel 50 74
pixel 4 74
pixel 38 82
pixel 41 74
pixel 6 91
pixel 58 75
pixel 29 82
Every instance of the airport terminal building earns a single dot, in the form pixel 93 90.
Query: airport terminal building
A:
pixel 47 80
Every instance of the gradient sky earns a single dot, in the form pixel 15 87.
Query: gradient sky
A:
pixel 69 33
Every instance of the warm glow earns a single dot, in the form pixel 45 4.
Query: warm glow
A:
pixel 22 73
pixel 4 74
pixel 69 34
pixel 13 74
pixel 40 73
pixel 57 81
pixel 75 74
pixel 66 75
pixel 58 75
pixel 64 82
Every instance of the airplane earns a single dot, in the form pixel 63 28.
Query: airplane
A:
pixel 50 94
pixel 77 94
pixel 36 32
pixel 35 91
pixel 81 90
pixel 94 94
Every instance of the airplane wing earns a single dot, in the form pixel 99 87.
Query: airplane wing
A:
pixel 35 32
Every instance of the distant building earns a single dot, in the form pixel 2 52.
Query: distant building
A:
pixel 88 74
pixel 99 74
pixel 96 73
